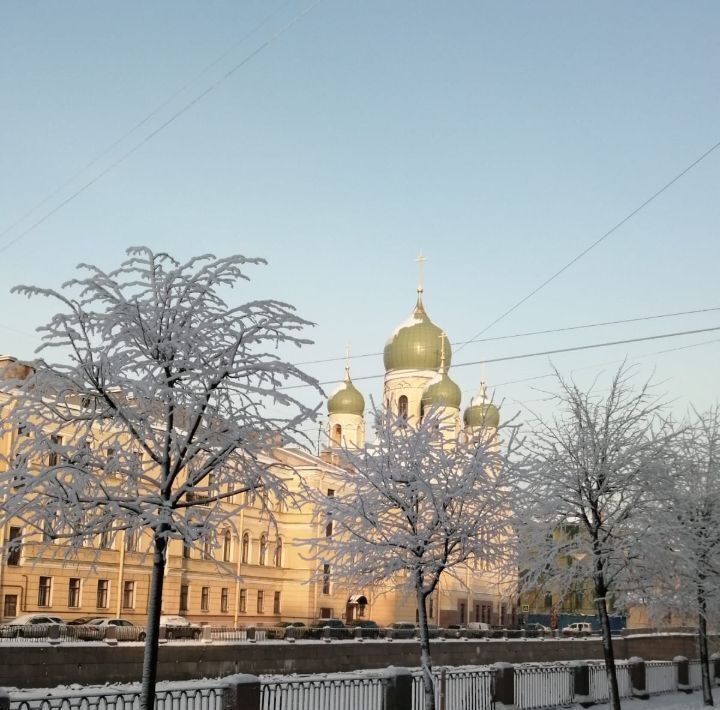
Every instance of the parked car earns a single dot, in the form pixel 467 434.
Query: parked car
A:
pixel 178 627
pixel 369 628
pixel 580 628
pixel 32 625
pixel 402 630
pixel 536 628
pixel 82 620
pixel 335 628
pixel 287 629
pixel 126 630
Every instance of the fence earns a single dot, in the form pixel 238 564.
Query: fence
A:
pixel 526 687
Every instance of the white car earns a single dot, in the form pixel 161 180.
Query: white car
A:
pixel 126 630
pixel 31 625
pixel 580 628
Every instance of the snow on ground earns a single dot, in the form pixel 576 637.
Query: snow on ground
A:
pixel 671 701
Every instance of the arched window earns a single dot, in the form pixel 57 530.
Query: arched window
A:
pixel 548 600
pixel 278 552
pixel 227 541
pixel 262 554
pixel 337 435
pixel 245 548
pixel 403 407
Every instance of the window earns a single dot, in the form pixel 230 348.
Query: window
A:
pixel 326 612
pixel 276 603
pixel 14 542
pixel 224 600
pixel 326 579
pixel 262 554
pixel 403 407
pixel 44 590
pixel 431 610
pixel 278 552
pixel 55 444
pixel 329 529
pixel 260 601
pixel 128 600
pixel 330 492
pixel 132 538
pixel 337 435
pixel 186 550
pixel 227 542
pixel 207 549
pixel 205 599
pixel 548 601
pixel 10 605
pixel 184 597
pixel 242 607
pixel 245 548
pixel 74 592
pixel 106 539
pixel 101 599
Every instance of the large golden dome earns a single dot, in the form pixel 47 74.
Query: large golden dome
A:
pixel 415 344
pixel 346 399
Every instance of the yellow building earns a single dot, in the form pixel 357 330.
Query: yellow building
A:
pixel 256 571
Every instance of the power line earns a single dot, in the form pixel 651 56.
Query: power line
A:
pixel 539 353
pixel 533 332
pixel 598 241
pixel 199 97
pixel 165 102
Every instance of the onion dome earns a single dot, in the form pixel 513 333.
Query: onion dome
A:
pixel 441 390
pixel 346 399
pixel 481 412
pixel 415 344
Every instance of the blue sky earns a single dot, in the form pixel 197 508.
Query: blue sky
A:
pixel 500 138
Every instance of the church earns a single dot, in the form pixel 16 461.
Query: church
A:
pixel 258 571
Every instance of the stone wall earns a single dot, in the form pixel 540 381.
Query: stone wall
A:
pixel 41 665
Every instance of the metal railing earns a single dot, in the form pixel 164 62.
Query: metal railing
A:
pixel 182 696
pixel 336 692
pixel 543 686
pixel 661 677
pixel 467 688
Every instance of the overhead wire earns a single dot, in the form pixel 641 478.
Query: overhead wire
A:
pixel 547 331
pixel 186 107
pixel 596 243
pixel 540 353
pixel 154 112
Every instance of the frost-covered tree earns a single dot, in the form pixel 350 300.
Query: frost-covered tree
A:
pixel 156 412
pixel 686 532
pixel 414 506
pixel 588 494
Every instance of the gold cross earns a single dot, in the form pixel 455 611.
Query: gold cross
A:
pixel 420 261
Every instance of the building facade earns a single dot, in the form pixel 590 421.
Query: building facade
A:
pixel 259 569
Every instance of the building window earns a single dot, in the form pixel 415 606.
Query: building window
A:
pixel 276 603
pixel 10 605
pixel 431 610
pixel 326 612
pixel 74 592
pixel 14 542
pixel 278 552
pixel 227 542
pixel 128 600
pixel 224 600
pixel 260 601
pixel 207 549
pixel 186 550
pixel 330 492
pixel 337 435
pixel 262 554
pixel 183 597
pixel 242 606
pixel 403 407
pixel 548 601
pixel 106 540
pixel 245 547
pixel 53 456
pixel 205 599
pixel 326 579
pixel 44 590
pixel 132 538
pixel 101 600
pixel 329 529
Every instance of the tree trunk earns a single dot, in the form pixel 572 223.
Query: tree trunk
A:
pixel 425 659
pixel 703 646
pixel 150 657
pixel 600 601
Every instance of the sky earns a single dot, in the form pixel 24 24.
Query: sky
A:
pixel 339 139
